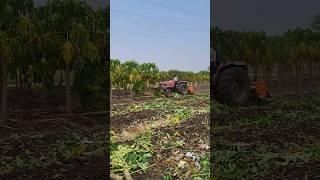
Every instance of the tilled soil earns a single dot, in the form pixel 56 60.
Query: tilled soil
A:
pixel 38 143
pixel 35 137
pixel 94 168
pixel 116 100
pixel 45 120
pixel 297 171
pixel 280 132
pixel 275 134
pixel 122 122
pixel 194 132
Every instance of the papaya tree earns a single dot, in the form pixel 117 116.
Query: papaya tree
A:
pixel 4 58
pixel 68 54
pixel 149 72
pixel 128 68
pixel 115 72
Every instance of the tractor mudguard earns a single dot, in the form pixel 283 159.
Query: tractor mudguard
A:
pixel 168 84
pixel 182 82
pixel 225 65
pixel 233 63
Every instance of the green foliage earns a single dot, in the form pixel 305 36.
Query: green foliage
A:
pixel 167 177
pixel 91 89
pixel 159 142
pixel 130 72
pixel 67 146
pixel 258 120
pixel 157 93
pixel 68 52
pixel 183 113
pixel 174 144
pixel 134 108
pixel 157 104
pixel 243 149
pixel 4 45
pixel 236 162
pixel 180 115
pixel 204 172
pixel 48 37
pixel 314 151
pixel 138 88
pixel 293 49
pixel 131 157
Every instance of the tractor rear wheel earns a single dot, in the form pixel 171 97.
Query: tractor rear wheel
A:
pixel 232 86
pixel 182 88
pixel 168 93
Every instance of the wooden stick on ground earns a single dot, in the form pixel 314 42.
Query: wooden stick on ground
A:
pixel 94 113
pixel 115 177
pixel 8 127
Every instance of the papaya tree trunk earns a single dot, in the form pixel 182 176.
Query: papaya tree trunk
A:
pixel 110 93
pixel 44 92
pixel 131 90
pixel 68 90
pixel 297 74
pixel 148 83
pixel 4 96
pixel 279 74
pixel 16 80
pixel 61 76
pixel 0 79
pixel 255 72
pixel 315 70
pixel 19 78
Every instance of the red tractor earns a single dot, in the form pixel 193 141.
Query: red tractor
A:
pixel 231 84
pixel 171 86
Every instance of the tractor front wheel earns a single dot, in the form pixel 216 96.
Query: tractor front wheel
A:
pixel 168 93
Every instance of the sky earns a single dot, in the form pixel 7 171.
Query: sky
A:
pixel 271 16
pixel 171 34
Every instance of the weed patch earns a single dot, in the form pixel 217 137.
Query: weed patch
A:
pixel 125 157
